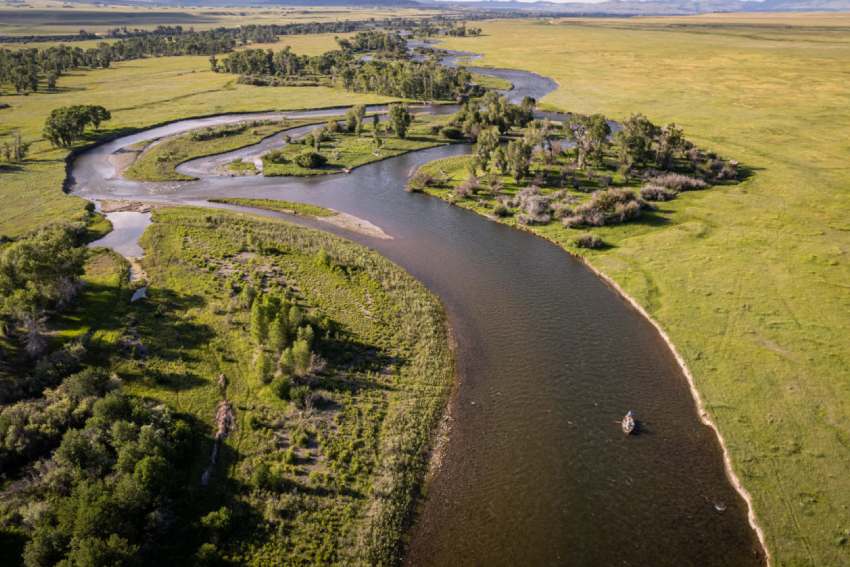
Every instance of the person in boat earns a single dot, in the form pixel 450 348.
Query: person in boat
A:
pixel 629 423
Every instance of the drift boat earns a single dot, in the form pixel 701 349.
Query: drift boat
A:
pixel 629 424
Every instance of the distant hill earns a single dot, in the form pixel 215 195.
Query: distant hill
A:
pixel 605 7
pixel 653 7
pixel 660 7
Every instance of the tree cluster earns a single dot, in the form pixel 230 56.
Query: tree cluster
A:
pixel 107 494
pixel 37 273
pixel 285 337
pixel 14 150
pixel 382 42
pixel 67 124
pixel 400 119
pixel 492 110
pixel 426 80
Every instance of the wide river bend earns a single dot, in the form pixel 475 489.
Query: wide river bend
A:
pixel 536 470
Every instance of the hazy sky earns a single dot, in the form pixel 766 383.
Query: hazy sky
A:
pixel 552 1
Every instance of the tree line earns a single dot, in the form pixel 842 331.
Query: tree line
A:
pixel 25 69
pixel 374 40
pixel 39 274
pixel 424 80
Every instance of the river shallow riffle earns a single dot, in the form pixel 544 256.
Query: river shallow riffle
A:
pixel 536 470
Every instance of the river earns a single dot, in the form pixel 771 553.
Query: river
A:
pixel 536 470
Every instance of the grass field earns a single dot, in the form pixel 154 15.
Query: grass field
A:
pixel 48 18
pixel 308 44
pixel 750 281
pixel 279 205
pixel 174 88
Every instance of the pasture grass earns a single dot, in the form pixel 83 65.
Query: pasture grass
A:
pixel 50 18
pixel 138 93
pixel 306 44
pixel 749 281
pixel 279 205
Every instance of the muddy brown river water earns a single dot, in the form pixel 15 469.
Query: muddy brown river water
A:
pixel 536 470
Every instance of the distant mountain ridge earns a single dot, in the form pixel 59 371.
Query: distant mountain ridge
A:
pixel 605 7
pixel 654 7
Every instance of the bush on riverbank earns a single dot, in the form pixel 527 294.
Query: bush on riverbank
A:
pixel 589 241
pixel 611 206
pixel 311 160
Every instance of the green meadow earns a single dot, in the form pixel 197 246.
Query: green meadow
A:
pixel 750 281
pixel 139 94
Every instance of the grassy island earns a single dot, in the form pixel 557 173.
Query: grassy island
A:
pixel 335 148
pixel 158 160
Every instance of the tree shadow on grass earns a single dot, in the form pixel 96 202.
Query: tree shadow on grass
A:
pixel 157 326
pixel 653 218
pixel 345 352
pixel 10 168
pixel 172 381
pixel 163 321
pixel 59 89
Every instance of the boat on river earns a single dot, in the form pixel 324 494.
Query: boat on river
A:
pixel 629 423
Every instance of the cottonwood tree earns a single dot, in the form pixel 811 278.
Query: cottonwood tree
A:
pixel 66 124
pixel 518 158
pixel 16 150
pixel 400 119
pixel 671 142
pixel 590 134
pixel 634 141
pixel 487 144
pixel 259 322
pixel 354 118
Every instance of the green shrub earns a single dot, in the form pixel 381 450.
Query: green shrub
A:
pixel 310 160
pixel 451 133
pixel 282 387
pixel 300 396
pixel 590 241
pixel 218 521
pixel 501 210
pixel 275 156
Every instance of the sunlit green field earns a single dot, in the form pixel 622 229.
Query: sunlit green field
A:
pixel 752 282
pixel 139 94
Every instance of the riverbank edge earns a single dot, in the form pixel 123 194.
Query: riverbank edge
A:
pixel 704 416
pixel 439 439
pixel 206 155
pixel 436 441
pixel 73 153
